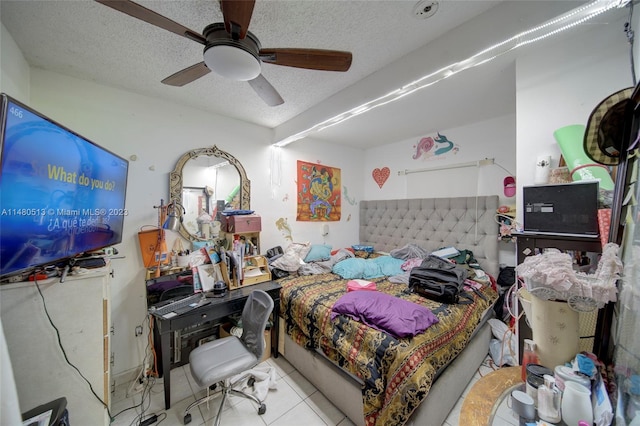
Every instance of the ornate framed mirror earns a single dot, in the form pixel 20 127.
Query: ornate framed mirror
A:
pixel 204 182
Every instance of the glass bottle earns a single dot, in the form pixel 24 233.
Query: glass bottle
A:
pixel 549 398
pixel 528 357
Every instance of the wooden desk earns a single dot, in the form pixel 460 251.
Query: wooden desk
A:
pixel 231 303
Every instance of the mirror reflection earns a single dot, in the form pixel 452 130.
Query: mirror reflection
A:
pixel 205 182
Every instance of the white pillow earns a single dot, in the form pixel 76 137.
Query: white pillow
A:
pixel 293 257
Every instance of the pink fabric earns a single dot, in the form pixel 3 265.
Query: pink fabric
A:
pixel 355 285
pixel 411 263
pixel 604 223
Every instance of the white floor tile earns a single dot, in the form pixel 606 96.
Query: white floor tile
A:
pixel 299 384
pixel 454 415
pixel 280 400
pixel 325 409
pixel 243 413
pixel 499 421
pixel 295 401
pixel 346 422
pixel 181 387
pixel 298 415
pixel 283 367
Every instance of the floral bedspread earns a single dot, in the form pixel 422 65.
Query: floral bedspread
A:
pixel 397 373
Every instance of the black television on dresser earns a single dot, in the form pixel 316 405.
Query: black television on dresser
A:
pixel 564 209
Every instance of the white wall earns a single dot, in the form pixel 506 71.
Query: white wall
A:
pixel 158 133
pixel 14 69
pixel 487 139
pixel 283 194
pixel 560 83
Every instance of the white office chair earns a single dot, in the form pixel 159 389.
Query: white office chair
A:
pixel 215 363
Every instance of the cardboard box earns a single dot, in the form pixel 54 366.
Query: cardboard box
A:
pixel 243 223
pixel 225 332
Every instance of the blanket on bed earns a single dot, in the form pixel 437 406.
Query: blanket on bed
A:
pixel 397 373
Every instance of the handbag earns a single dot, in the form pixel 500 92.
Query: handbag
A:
pixel 440 280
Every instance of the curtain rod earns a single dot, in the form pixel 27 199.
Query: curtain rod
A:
pixel 477 163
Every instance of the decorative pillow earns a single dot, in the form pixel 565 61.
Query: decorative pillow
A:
pixel 389 266
pixel 357 267
pixel 384 312
pixel 351 268
pixel 318 253
pixel 293 257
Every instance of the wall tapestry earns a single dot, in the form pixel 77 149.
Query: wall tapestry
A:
pixel 381 175
pixel 430 147
pixel 318 192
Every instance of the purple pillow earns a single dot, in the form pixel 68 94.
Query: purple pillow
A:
pixel 384 312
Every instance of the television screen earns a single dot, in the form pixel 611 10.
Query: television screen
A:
pixel 61 195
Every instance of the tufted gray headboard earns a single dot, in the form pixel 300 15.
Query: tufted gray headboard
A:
pixel 433 223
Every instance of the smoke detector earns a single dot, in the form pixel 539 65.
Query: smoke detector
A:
pixel 425 9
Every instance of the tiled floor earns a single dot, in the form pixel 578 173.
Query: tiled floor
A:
pixel 294 402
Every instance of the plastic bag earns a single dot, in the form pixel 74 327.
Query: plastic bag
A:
pixel 503 348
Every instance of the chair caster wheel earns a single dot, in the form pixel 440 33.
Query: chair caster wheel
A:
pixel 262 409
pixel 187 418
pixel 251 381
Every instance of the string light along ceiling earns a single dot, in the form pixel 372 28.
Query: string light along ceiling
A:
pixel 555 26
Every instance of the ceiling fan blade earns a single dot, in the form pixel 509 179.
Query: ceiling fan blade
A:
pixel 237 15
pixel 266 91
pixel 153 18
pixel 313 59
pixel 187 75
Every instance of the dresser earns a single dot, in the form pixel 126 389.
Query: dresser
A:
pixel 594 335
pixel 79 309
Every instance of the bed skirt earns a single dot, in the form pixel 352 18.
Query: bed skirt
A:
pixel 344 389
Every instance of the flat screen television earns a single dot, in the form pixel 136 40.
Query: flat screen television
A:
pixel 61 195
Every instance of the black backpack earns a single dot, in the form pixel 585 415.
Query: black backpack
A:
pixel 440 280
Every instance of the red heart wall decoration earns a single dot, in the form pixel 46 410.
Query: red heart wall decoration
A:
pixel 381 175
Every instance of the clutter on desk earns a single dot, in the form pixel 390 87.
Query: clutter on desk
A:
pixel 575 392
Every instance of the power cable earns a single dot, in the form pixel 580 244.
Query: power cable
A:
pixel 64 353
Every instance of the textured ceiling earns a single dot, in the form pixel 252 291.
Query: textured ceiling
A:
pixel 90 41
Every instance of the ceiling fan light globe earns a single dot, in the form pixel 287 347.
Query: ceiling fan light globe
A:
pixel 232 62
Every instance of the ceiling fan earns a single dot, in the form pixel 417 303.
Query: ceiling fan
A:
pixel 232 51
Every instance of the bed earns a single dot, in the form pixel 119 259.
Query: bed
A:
pixel 373 377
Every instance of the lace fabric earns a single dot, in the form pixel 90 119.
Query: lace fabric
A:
pixel 550 275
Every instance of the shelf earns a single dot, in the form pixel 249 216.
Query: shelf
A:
pixel 256 270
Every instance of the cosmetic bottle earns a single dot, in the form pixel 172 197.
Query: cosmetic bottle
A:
pixel 528 357
pixel 549 399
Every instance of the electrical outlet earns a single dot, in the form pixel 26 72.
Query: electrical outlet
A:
pixel 138 330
